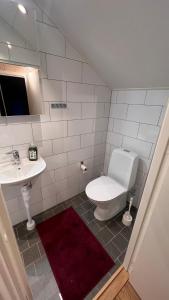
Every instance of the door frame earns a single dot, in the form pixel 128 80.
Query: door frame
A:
pixel 9 253
pixel 14 282
pixel 159 154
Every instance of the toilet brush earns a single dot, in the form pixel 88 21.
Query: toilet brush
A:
pixel 127 217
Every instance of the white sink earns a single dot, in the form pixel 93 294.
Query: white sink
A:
pixel 12 174
pixel 22 173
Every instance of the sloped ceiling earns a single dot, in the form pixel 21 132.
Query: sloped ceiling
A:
pixel 126 41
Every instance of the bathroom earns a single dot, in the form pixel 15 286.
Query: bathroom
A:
pixel 76 121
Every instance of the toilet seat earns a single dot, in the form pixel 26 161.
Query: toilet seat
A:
pixel 104 188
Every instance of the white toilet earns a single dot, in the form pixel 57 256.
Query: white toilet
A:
pixel 109 193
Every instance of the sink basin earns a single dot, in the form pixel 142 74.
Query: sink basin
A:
pixel 13 174
pixel 23 173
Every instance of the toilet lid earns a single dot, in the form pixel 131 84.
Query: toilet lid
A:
pixel 104 188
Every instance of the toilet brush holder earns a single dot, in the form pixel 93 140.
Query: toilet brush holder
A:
pixel 127 219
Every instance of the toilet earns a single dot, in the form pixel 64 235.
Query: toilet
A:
pixel 109 193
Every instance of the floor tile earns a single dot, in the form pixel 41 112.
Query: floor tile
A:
pixel 94 227
pixel 88 216
pixel 67 203
pixel 41 248
pixel 101 224
pixel 122 256
pixel 114 227
pixel 115 267
pixel 31 255
pixel 126 232
pixel 50 288
pixel 22 230
pixel 104 236
pixel 87 205
pixel 58 209
pixel 112 250
pixel 23 244
pixel 120 242
pixel 80 210
pixel 92 293
pixel 76 201
pixel 102 282
pixel 33 238
pixel 42 266
pixel 83 196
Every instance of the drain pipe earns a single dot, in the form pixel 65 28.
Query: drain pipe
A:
pixel 26 196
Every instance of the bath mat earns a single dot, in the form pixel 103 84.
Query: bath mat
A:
pixel 77 259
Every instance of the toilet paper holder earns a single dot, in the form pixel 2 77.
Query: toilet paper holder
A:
pixel 83 167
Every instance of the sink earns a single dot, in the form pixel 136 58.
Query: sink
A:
pixel 22 174
pixel 13 174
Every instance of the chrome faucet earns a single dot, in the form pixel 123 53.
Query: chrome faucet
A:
pixel 16 157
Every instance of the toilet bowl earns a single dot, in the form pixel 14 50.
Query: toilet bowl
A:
pixel 109 193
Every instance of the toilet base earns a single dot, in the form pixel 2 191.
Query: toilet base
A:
pixel 106 211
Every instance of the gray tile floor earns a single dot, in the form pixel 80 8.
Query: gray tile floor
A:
pixel 112 234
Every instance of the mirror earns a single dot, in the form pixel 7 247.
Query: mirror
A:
pixel 19 90
pixel 18 38
pixel 19 60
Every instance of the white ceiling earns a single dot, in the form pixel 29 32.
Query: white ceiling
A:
pixel 126 41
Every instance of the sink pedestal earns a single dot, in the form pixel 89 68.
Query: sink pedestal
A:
pixel 26 195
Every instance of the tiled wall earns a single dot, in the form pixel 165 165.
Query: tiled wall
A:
pixel 135 120
pixel 64 136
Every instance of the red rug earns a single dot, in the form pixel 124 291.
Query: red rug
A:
pixel 77 259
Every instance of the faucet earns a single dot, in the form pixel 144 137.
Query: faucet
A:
pixel 16 157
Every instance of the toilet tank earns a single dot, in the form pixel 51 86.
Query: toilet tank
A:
pixel 123 167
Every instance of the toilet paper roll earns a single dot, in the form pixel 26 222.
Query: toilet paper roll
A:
pixel 83 167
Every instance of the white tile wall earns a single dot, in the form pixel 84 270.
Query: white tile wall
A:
pixel 64 136
pixel 90 76
pixel 22 55
pixel 134 123
pixel 50 40
pixel 144 114
pixel 77 92
pixel 54 90
pixel 63 69
pixel 71 52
